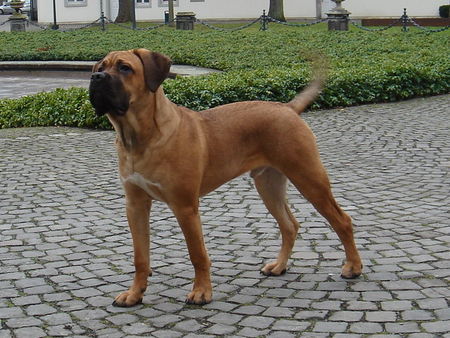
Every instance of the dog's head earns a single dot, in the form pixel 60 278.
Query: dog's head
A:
pixel 123 77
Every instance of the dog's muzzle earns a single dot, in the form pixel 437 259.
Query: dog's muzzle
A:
pixel 107 94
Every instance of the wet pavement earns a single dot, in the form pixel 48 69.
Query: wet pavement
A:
pixel 19 83
pixel 25 78
pixel 66 250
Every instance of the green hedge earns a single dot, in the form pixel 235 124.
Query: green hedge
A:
pixel 71 107
pixel 365 67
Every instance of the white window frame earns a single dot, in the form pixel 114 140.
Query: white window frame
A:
pixel 75 3
pixel 143 3
pixel 165 3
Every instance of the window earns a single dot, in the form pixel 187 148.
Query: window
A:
pixel 165 3
pixel 75 3
pixel 143 3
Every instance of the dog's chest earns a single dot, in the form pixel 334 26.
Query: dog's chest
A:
pixel 153 189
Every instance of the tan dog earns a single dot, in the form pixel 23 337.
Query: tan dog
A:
pixel 175 155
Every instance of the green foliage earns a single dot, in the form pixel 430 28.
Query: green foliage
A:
pixel 61 107
pixel 444 11
pixel 365 67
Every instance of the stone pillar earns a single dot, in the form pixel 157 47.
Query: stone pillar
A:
pixel 17 24
pixel 185 20
pixel 338 18
pixel 18 20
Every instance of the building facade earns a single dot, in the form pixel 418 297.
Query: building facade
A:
pixel 74 11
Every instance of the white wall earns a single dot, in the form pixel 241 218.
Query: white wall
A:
pixel 393 8
pixel 238 9
pixel 227 9
pixel 64 14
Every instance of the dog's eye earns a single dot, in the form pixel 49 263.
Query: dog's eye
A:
pixel 100 69
pixel 124 68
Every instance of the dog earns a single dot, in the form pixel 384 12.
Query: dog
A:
pixel 176 155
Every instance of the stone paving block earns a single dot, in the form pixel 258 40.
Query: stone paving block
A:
pixel 403 328
pixel 443 314
pixel 417 315
pixel 330 327
pixel 397 305
pixel 366 328
pixel 290 325
pixel 346 316
pixel 257 322
pixel 432 303
pixel 381 316
pixel 15 323
pixel 11 312
pixel 225 318
pixel 311 315
pixel 221 329
pixel 40 309
pixel 438 327
pixel 188 326
pixel 29 332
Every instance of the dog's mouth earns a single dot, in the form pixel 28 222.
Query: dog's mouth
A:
pixel 107 94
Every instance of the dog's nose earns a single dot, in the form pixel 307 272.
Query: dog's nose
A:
pixel 98 76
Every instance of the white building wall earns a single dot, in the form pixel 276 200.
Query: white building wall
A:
pixel 237 9
pixel 393 8
pixel 226 9
pixel 87 13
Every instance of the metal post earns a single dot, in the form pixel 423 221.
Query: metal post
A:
pixel 404 21
pixel 102 15
pixel 55 26
pixel 133 13
pixel 264 21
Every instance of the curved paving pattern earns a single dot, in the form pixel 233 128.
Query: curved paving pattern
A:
pixel 65 248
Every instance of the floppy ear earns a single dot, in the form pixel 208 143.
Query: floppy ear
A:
pixel 96 66
pixel 156 67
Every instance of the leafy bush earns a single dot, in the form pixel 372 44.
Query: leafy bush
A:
pixel 444 11
pixel 365 67
pixel 61 107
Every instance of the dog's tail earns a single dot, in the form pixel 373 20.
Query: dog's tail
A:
pixel 309 94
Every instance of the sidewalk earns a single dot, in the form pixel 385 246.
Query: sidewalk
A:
pixel 66 251
pixel 21 78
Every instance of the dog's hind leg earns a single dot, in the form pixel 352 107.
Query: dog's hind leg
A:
pixel 271 186
pixel 314 184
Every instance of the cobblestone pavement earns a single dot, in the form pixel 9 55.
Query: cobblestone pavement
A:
pixel 65 249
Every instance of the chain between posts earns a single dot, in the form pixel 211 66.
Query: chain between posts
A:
pixel 227 29
pixel 404 20
pixel 264 19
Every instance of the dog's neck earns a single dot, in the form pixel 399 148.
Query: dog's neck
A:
pixel 136 130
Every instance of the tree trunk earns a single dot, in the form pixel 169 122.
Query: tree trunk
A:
pixel 171 14
pixel 276 10
pixel 124 11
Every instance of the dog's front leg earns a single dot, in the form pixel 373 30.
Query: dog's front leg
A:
pixel 189 220
pixel 138 205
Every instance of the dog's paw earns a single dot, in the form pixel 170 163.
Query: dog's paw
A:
pixel 273 269
pixel 127 299
pixel 199 296
pixel 351 270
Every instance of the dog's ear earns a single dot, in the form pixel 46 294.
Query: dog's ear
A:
pixel 96 66
pixel 156 67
